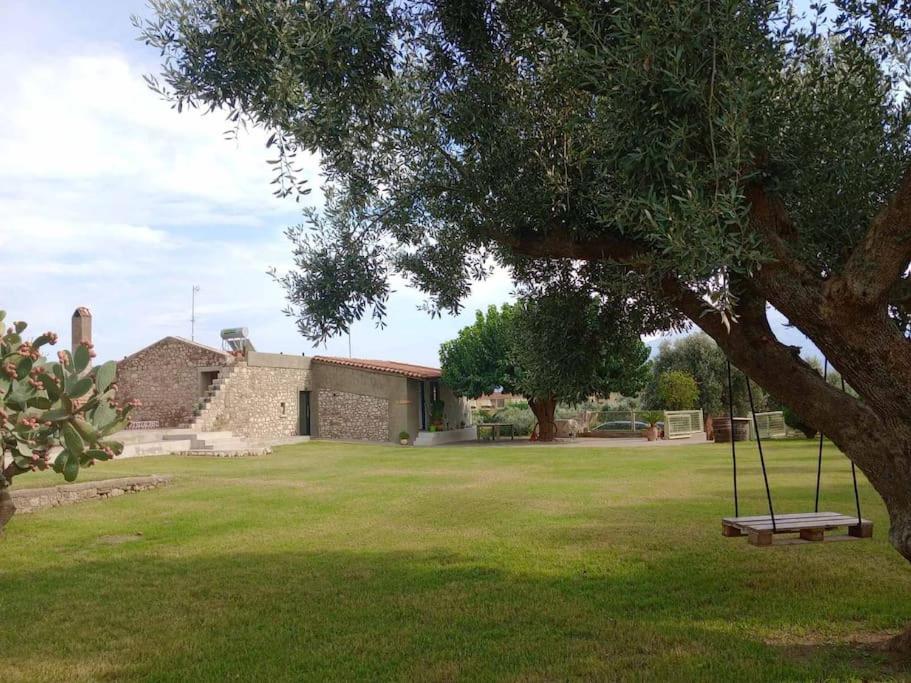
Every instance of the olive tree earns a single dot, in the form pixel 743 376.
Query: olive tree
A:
pixel 562 347
pixel 722 157
pixel 700 357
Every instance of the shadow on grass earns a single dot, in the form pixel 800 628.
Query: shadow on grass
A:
pixel 434 615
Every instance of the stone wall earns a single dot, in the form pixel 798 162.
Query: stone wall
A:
pixel 165 377
pixel 258 398
pixel 362 404
pixel 32 500
pixel 353 416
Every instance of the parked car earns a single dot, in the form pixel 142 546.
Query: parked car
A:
pixel 621 426
pixel 625 426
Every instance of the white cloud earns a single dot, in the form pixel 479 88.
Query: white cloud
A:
pixel 88 125
pixel 132 204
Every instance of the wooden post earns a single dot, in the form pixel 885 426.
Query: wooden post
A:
pixel 730 531
pixel 812 534
pixel 760 538
pixel 862 530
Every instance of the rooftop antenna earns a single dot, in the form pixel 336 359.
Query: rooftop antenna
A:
pixel 193 314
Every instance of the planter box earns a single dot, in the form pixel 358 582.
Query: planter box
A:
pixel 450 436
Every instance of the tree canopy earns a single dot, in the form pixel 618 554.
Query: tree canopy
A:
pixel 458 134
pixel 700 357
pixel 677 390
pixel 561 347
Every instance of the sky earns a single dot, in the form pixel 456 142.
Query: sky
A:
pixel 112 200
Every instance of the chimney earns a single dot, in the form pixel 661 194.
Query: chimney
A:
pixel 82 327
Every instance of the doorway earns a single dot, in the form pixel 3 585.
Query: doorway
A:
pixel 303 413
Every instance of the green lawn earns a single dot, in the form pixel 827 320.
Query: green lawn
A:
pixel 335 561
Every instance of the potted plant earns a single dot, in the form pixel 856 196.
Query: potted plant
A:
pixel 653 417
pixel 404 438
pixel 436 414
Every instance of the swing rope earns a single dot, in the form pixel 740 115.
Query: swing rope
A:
pixel 825 373
pixel 825 368
pixel 733 447
pixel 854 477
pixel 765 475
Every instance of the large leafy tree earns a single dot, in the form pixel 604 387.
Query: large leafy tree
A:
pixel 562 347
pixel 699 356
pixel 724 156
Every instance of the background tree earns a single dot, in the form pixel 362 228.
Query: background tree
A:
pixel 477 361
pixel 699 356
pixel 563 347
pixel 45 405
pixel 677 390
pixel 712 158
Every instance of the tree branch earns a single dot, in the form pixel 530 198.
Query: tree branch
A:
pixel 882 256
pixel 753 347
pixel 769 217
pixel 561 243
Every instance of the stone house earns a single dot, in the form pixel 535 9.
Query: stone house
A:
pixel 169 377
pixel 266 396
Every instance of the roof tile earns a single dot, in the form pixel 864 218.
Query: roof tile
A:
pixel 388 366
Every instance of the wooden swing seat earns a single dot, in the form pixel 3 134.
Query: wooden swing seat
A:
pixel 810 527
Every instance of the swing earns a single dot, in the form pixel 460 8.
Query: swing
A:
pixel 809 526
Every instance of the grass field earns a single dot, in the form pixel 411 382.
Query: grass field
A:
pixel 337 561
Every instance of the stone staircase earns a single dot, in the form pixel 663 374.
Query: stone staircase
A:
pixel 205 436
pixel 200 436
pixel 212 403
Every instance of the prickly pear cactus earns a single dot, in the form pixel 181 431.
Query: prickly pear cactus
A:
pixel 53 414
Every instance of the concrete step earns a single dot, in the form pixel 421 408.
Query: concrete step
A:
pixel 138 450
pixel 131 436
pixel 223 444
pixel 198 434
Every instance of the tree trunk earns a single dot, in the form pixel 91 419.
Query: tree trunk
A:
pixel 870 431
pixel 544 409
pixel 7 509
pixel 845 314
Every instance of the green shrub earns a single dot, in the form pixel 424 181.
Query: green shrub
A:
pixel 404 436
pixel 522 418
pixel 677 390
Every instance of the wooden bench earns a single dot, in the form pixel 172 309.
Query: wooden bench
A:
pixel 810 527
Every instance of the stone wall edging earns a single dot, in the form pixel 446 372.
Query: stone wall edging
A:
pixel 34 500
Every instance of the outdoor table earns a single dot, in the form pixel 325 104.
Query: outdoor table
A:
pixel 496 428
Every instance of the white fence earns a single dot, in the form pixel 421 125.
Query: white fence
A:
pixel 681 424
pixel 630 421
pixel 676 424
pixel 770 425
